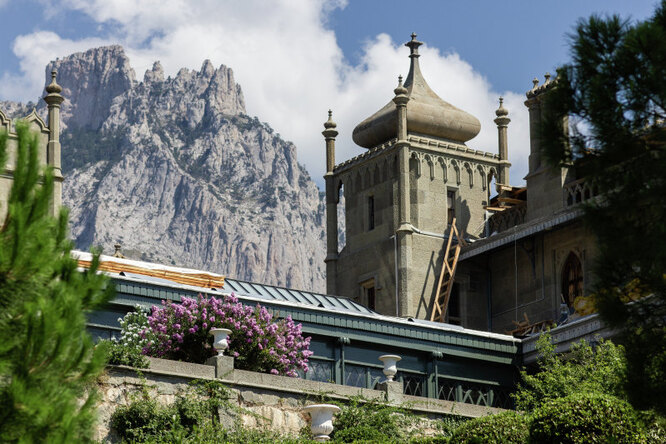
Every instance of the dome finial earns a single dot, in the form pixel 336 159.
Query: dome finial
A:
pixel 53 87
pixel 413 46
pixel 501 111
pixel 330 123
pixel 400 90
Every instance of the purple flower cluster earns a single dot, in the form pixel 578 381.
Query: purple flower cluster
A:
pixel 181 332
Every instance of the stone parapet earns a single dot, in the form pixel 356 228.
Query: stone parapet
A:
pixel 277 399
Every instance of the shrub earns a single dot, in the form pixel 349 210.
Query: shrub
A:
pixel 192 418
pixel 600 370
pixel 141 419
pixel 121 354
pixel 586 418
pixel 506 427
pixel 133 338
pixel 182 332
pixel 371 421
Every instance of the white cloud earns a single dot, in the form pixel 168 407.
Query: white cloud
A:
pixel 287 62
pixel 35 51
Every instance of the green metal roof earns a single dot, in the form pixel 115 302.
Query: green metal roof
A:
pixel 330 315
pixel 271 292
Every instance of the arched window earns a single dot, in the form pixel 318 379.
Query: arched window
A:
pixel 572 279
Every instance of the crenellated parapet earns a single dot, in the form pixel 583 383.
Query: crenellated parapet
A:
pixel 537 89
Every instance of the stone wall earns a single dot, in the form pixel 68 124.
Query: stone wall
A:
pixel 525 278
pixel 265 400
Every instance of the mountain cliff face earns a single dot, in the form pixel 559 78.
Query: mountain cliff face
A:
pixel 175 171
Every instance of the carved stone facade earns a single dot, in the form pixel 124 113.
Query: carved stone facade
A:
pixel 401 195
pixel 49 140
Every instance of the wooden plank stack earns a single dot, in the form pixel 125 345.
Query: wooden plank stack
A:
pixel 200 279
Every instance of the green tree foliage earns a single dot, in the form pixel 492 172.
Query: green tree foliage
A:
pixel 372 421
pixel 586 418
pixel 47 360
pixel 614 94
pixel 508 428
pixel 583 370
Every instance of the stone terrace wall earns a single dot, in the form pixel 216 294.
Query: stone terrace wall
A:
pixel 278 399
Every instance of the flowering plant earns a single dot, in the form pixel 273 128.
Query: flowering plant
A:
pixel 182 332
pixel 126 350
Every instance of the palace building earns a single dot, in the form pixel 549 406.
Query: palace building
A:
pixel 513 254
pixel 442 256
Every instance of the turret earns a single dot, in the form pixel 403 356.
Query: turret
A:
pixel 53 100
pixel 502 121
pixel 330 132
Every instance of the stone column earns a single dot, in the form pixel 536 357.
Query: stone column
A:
pixel 404 230
pixel 331 260
pixel 400 101
pixel 53 100
pixel 502 122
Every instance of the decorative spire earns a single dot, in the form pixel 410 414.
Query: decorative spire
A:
pixel 501 111
pixel 329 133
pixel 413 46
pixel 535 82
pixel 414 75
pixel 330 123
pixel 53 87
pixel 53 97
pixel 547 77
pixel 400 90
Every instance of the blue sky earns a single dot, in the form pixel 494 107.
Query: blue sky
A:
pixel 296 58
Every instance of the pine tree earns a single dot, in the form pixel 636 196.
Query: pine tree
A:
pixel 614 94
pixel 48 361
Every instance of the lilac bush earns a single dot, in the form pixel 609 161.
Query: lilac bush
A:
pixel 182 332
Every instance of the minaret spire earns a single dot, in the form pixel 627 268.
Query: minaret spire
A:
pixel 53 101
pixel 330 133
pixel 414 76
pixel 502 121
pixel 413 46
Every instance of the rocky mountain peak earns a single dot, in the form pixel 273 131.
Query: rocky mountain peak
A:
pixel 177 172
pixel 90 81
pixel 154 75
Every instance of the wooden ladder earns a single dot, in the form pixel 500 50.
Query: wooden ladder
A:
pixel 445 283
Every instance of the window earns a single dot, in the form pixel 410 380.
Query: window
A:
pixel 453 310
pixel 371 213
pixel 572 279
pixel 369 293
pixel 451 205
pixel 370 296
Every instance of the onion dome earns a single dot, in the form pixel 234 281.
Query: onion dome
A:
pixel 427 113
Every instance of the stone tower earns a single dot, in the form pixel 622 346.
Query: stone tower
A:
pixel 401 195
